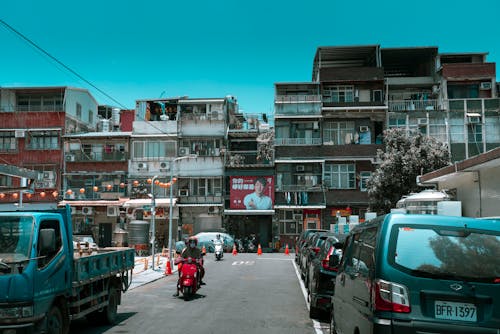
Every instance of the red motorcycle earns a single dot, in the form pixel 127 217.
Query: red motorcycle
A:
pixel 189 280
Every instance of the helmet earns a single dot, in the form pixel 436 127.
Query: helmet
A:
pixel 193 239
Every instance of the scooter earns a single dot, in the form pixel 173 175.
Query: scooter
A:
pixel 219 251
pixel 189 280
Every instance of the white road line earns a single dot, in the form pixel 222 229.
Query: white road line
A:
pixel 270 258
pixel 316 324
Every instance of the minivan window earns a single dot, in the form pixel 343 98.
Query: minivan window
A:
pixel 451 253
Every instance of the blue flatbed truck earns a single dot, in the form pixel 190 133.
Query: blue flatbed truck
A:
pixel 45 283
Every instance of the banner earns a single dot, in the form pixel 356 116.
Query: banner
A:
pixel 251 192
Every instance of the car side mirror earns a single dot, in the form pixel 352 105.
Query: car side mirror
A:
pixel 47 241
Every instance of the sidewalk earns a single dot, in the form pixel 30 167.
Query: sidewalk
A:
pixel 143 273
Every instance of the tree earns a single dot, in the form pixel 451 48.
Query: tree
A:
pixel 406 156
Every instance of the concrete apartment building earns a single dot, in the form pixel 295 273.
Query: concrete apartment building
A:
pixel 328 130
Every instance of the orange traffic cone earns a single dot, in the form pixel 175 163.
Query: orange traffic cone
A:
pixel 168 268
pixel 235 252
pixel 259 250
pixel 287 251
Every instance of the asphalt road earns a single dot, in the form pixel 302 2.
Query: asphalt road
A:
pixel 244 294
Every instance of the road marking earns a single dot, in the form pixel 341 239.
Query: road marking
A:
pixel 241 263
pixel 270 258
pixel 316 324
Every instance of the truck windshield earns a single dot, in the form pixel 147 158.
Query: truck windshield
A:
pixel 15 238
pixel 447 253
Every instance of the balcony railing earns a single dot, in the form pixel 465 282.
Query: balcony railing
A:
pixel 201 199
pixel 245 159
pixel 96 156
pixel 300 187
pixel 297 98
pixel 410 105
pixel 473 105
pixel 300 198
pixel 297 141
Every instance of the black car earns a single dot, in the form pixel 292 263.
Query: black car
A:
pixel 300 242
pixel 310 251
pixel 322 273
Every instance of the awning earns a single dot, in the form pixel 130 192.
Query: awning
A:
pixel 300 206
pixel 139 203
pixel 118 202
pixel 199 204
pixel 249 212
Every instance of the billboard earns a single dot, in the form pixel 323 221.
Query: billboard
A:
pixel 251 192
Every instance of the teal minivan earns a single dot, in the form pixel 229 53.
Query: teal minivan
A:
pixel 404 273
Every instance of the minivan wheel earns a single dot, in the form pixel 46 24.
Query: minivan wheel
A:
pixel 332 324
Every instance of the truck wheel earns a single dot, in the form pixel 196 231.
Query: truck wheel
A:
pixel 110 312
pixel 108 315
pixel 55 321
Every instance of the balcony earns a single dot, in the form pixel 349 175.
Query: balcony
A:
pixel 210 199
pixel 243 159
pixel 300 187
pixel 413 105
pixel 297 98
pixel 299 199
pixel 473 105
pixel 79 156
pixel 297 109
pixel 297 141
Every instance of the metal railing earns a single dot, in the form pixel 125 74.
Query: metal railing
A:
pixel 297 98
pixel 96 156
pixel 410 105
pixel 297 141
pixel 245 158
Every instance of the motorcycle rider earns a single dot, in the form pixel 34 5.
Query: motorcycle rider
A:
pixel 194 252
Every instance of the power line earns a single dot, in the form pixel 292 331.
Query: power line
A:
pixel 60 62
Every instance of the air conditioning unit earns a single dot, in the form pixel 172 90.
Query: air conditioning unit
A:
pixel 70 157
pixel 474 119
pixel 19 133
pixel 298 217
pixel 112 211
pixel 213 210
pixel 300 168
pixel 183 192
pixel 485 85
pixel 163 166
pixel 363 128
pixel 184 151
pixel 73 210
pixel 422 121
pixel 142 165
pixel 87 210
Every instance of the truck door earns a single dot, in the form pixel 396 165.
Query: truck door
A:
pixel 52 276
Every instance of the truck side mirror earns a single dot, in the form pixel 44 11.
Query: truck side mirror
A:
pixel 47 242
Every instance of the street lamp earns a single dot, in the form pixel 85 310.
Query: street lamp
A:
pixel 171 208
pixel 153 213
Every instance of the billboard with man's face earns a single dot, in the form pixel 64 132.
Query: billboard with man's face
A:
pixel 252 192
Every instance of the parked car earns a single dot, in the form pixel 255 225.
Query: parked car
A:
pixel 322 273
pixel 85 241
pixel 310 251
pixel 304 235
pixel 206 239
pixel 416 273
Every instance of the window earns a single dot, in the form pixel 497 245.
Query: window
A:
pixel 397 122
pixel 338 94
pixel 475 133
pixel 340 176
pixel 79 111
pixel 45 257
pixel 5 181
pixel 338 133
pixel 206 187
pixel 42 140
pixel 154 149
pixel 289 225
pixel 200 147
pixel 8 141
pixel 363 179
pixel 91 117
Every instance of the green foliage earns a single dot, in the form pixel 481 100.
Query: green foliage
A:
pixel 406 156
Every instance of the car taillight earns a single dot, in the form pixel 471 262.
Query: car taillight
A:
pixel 325 263
pixel 496 280
pixel 316 250
pixel 388 296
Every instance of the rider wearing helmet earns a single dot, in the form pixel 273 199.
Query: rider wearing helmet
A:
pixel 191 250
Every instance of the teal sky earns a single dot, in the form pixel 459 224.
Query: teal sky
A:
pixel 140 49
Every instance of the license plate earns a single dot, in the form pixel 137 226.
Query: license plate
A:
pixel 455 311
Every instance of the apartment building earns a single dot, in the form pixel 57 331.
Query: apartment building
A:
pixel 329 130
pixel 249 158
pixel 179 141
pixel 33 121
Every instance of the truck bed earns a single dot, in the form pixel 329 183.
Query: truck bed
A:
pixel 100 263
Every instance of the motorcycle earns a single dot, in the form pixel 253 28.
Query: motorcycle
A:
pixel 219 251
pixel 189 280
